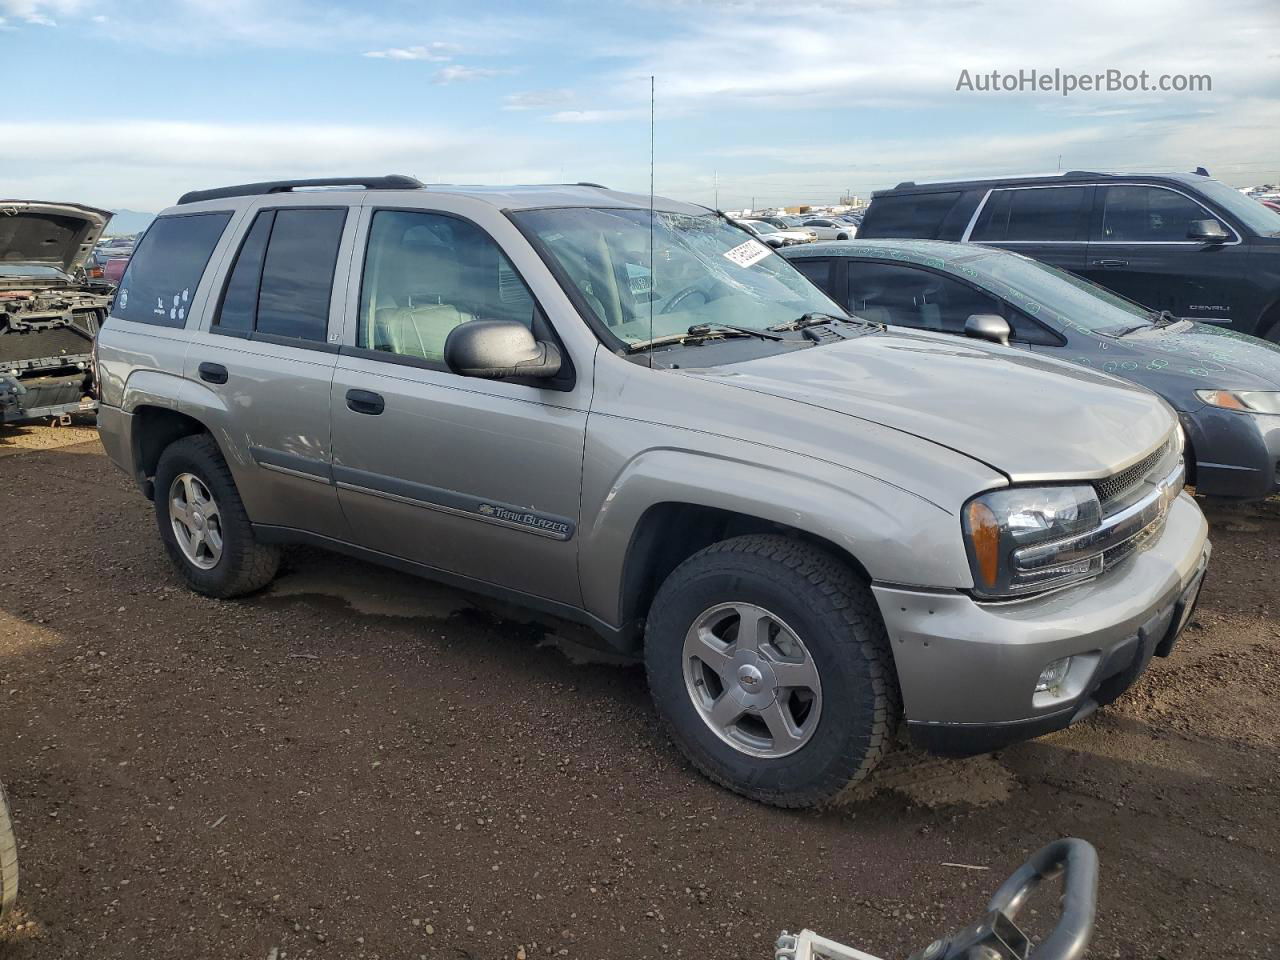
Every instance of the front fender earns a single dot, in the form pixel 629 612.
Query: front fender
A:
pixel 897 536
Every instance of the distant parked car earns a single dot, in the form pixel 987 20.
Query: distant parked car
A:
pixel 828 228
pixel 1185 243
pixel 790 223
pixel 1270 204
pixel 772 235
pixel 1224 385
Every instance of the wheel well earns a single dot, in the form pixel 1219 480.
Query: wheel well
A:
pixel 670 533
pixel 154 428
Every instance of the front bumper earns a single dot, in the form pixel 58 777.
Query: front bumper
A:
pixel 1237 453
pixel 968 670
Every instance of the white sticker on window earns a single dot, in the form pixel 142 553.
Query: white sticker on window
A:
pixel 745 254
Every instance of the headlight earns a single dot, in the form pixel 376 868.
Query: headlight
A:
pixel 1251 401
pixel 999 527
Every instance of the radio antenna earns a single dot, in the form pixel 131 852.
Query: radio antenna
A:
pixel 653 280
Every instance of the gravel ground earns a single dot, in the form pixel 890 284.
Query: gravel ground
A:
pixel 357 764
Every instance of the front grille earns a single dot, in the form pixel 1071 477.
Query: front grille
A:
pixel 1120 487
pixel 39 344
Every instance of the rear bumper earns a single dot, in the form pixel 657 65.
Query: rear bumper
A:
pixel 115 430
pixel 968 670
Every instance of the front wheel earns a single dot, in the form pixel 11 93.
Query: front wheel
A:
pixel 769 662
pixel 842 236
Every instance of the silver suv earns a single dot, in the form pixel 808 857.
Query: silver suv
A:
pixel 811 526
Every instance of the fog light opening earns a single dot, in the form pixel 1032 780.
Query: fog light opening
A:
pixel 1051 677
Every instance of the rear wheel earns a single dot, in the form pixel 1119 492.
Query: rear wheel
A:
pixel 769 662
pixel 203 523
pixel 8 859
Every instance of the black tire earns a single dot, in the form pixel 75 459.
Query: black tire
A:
pixel 8 859
pixel 842 236
pixel 833 612
pixel 245 565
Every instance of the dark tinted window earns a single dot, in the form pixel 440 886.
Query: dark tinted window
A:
pixel 1150 214
pixel 909 215
pixel 425 273
pixel 166 268
pixel 1034 213
pixel 914 297
pixel 819 271
pixel 297 274
pixel 240 301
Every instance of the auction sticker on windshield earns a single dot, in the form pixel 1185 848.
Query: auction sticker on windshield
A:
pixel 745 254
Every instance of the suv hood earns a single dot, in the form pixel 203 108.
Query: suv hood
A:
pixel 1031 418
pixel 58 235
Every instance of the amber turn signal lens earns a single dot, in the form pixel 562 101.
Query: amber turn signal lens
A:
pixel 1222 398
pixel 984 533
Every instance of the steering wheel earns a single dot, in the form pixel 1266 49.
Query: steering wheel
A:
pixel 675 302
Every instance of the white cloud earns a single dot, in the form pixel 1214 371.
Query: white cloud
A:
pixel 460 74
pixel 147 164
pixel 595 116
pixel 536 99
pixel 39 13
pixel 437 51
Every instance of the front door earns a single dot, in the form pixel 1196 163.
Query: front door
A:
pixel 1139 248
pixel 474 477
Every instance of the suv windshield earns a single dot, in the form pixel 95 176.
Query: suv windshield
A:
pixel 1249 211
pixel 704 271
pixel 1073 302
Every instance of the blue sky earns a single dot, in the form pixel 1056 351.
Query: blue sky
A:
pixel 129 103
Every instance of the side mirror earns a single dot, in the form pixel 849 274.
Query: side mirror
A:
pixel 498 349
pixel 988 326
pixel 1206 231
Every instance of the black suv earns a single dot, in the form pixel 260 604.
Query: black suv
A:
pixel 1184 243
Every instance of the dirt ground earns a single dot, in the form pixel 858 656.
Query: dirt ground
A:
pixel 357 764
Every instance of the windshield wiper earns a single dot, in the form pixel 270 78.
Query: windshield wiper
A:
pixel 814 319
pixel 1164 318
pixel 704 331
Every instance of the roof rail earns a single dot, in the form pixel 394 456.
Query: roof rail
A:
pixel 393 181
pixel 588 183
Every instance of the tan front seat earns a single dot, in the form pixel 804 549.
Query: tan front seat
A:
pixel 416 331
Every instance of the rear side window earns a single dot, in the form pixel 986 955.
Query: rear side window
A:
pixel 911 215
pixel 166 268
pixel 282 279
pixel 1031 214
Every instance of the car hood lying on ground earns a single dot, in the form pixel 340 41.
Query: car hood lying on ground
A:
pixel 59 235
pixel 1030 418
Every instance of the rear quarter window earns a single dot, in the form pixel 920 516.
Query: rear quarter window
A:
pixel 163 274
pixel 909 215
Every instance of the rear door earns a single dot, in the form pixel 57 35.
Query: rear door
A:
pixel 474 477
pixel 1049 223
pixel 268 362
pixel 1138 247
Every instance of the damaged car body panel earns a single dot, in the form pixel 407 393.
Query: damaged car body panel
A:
pixel 49 312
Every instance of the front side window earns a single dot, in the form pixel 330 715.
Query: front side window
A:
pixel 704 271
pixel 913 297
pixel 426 273
pixel 1138 214
pixel 816 271
pixel 1033 214
pixel 282 279
pixel 162 276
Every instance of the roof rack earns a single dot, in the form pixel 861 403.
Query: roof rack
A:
pixel 588 183
pixel 394 181
pixel 1065 175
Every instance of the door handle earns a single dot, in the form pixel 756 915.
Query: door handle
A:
pixel 1111 263
pixel 365 401
pixel 213 373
